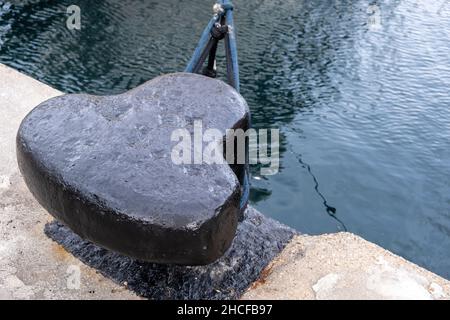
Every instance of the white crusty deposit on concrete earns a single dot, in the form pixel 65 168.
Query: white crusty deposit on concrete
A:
pixel 325 286
pixel 344 266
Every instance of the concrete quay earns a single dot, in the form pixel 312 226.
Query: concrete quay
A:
pixel 34 264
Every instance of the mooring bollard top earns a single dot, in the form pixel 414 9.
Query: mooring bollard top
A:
pixel 103 166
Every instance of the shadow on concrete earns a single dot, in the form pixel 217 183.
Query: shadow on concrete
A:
pixel 258 240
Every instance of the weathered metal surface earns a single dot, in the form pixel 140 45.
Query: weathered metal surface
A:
pixel 258 240
pixel 103 167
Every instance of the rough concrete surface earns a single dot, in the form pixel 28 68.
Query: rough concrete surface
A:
pixel 344 266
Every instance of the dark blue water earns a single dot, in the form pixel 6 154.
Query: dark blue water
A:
pixel 359 89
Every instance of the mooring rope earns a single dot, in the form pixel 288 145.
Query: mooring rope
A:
pixel 221 26
pixel 330 210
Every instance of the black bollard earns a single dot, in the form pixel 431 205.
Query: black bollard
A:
pixel 103 167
